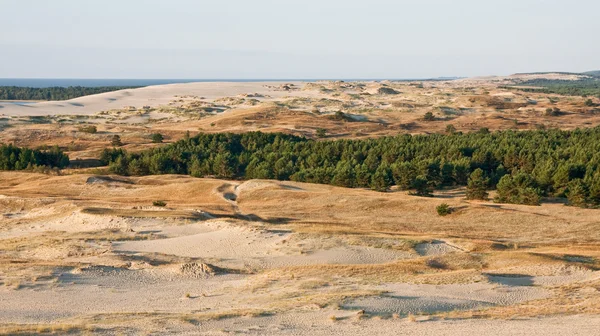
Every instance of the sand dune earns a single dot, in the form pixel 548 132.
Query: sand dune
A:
pixel 152 96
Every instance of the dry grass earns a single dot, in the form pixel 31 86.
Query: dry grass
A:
pixel 49 329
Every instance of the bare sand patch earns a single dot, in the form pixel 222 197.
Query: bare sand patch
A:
pixel 436 247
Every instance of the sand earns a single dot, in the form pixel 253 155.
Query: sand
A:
pixel 153 96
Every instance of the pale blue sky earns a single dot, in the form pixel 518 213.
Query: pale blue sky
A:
pixel 295 39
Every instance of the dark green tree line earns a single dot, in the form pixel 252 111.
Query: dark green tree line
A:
pixel 523 166
pixel 17 158
pixel 53 93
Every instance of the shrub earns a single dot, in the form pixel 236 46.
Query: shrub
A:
pixel 429 116
pixel 387 91
pixel 436 263
pixel 157 138
pixel 159 203
pixel 552 112
pixel 450 129
pixel 116 141
pixel 443 209
pixel 484 130
pixel 589 102
pixel 321 132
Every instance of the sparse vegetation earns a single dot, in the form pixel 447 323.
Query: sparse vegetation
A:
pixel 443 209
pixel 157 138
pixel 552 112
pixel 115 140
pixel 159 203
pixel 429 116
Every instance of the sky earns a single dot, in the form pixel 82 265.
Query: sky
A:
pixel 295 39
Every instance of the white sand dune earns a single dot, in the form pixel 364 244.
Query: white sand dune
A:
pixel 99 290
pixel 152 96
pixel 235 246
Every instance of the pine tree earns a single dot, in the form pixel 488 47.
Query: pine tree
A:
pixel 404 174
pixel 344 176
pixel 381 180
pixel 421 186
pixel 477 186
pixel 577 193
pixel 594 189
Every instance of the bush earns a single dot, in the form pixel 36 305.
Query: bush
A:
pixel 116 141
pixel 443 209
pixel 387 91
pixel 157 138
pixel 552 112
pixel 450 129
pixel 429 116
pixel 159 203
pixel 321 132
pixel 589 102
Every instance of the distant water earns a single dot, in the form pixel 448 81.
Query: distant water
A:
pixel 65 82
pixel 15 102
pixel 88 82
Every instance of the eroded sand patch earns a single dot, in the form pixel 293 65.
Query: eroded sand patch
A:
pixel 237 246
pixel 428 299
pixel 435 248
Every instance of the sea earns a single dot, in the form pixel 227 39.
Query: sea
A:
pixel 87 82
